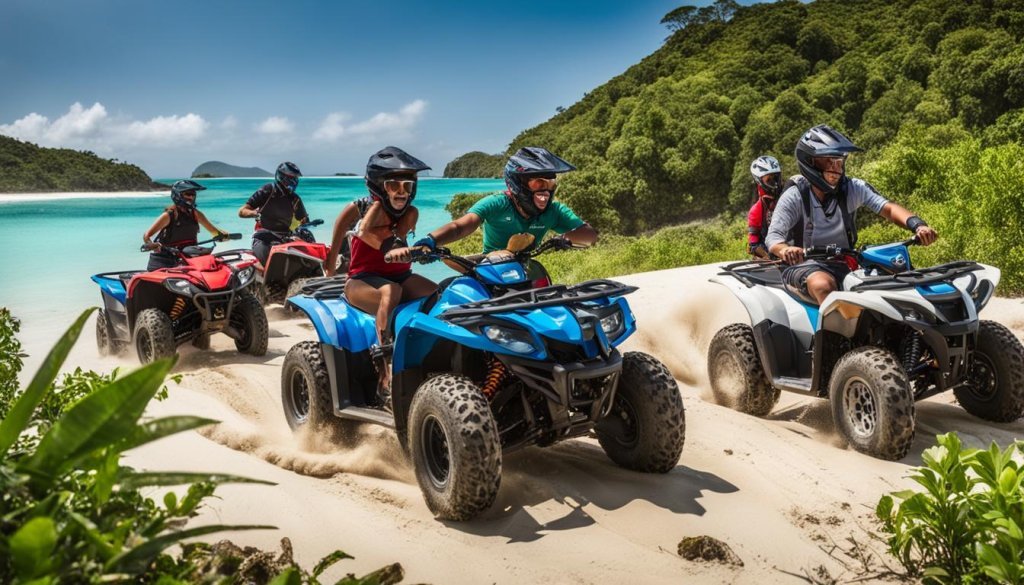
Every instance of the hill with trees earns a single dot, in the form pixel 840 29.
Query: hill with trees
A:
pixel 215 169
pixel 28 168
pixel 475 165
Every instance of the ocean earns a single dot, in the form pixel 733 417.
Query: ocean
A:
pixel 51 246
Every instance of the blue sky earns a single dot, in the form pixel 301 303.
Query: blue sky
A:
pixel 168 85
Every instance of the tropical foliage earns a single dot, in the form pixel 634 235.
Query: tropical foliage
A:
pixel 965 523
pixel 475 164
pixel 71 513
pixel 27 168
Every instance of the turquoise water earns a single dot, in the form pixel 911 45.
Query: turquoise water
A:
pixel 52 246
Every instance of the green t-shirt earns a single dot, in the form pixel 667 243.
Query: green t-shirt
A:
pixel 502 221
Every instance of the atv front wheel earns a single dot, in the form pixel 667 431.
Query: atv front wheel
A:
pixel 737 378
pixel 154 336
pixel 994 389
pixel 646 427
pixel 455 448
pixel 250 320
pixel 872 403
pixel 294 288
pixel 306 391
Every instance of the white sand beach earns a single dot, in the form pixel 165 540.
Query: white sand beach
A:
pixel 782 491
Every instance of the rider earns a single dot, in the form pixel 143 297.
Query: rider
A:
pixel 821 206
pixel 277 209
pixel 380 273
pixel 528 206
pixel 177 226
pixel 767 175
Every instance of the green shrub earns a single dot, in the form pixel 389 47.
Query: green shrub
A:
pixel 10 359
pixel 966 524
pixel 461 202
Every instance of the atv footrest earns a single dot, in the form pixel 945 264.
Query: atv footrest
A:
pixel 370 415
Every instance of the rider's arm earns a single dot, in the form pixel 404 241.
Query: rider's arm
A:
pixel 160 223
pixel 405 225
pixel 201 218
pixel 247 211
pixel 253 205
pixel 300 211
pixel 894 212
pixel 456 230
pixel 788 212
pixel 346 219
pixel 572 227
pixel 584 235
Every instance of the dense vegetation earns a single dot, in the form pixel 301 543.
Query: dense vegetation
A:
pixel 27 168
pixel 965 523
pixel 475 164
pixel 71 513
pixel 672 137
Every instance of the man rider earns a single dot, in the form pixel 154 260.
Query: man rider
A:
pixel 528 206
pixel 276 207
pixel 767 175
pixel 822 205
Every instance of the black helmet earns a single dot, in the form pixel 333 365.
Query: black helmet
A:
pixel 821 140
pixel 527 162
pixel 388 161
pixel 287 176
pixel 178 190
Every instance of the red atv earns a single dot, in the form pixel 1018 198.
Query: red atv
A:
pixel 294 258
pixel 159 310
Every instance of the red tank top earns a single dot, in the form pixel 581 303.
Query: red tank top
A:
pixel 366 259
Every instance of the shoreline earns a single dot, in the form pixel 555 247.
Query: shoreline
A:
pixel 26 197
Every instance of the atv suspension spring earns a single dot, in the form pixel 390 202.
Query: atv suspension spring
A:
pixel 178 308
pixel 912 350
pixel 497 373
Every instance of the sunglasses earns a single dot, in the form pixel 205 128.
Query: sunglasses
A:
pixel 540 184
pixel 396 186
pixel 830 164
pixel 191 194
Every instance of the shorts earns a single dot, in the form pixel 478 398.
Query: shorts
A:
pixel 378 280
pixel 795 276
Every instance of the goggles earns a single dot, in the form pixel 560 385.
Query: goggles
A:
pixel 771 180
pixel 536 184
pixel 396 186
pixel 830 164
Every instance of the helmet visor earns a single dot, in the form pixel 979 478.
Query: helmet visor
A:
pixel 772 180
pixel 536 184
pixel 396 186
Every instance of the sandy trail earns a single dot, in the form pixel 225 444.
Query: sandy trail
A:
pixel 782 491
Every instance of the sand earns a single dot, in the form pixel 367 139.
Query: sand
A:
pixel 792 502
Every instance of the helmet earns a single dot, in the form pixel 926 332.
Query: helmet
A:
pixel 178 190
pixel 763 167
pixel 532 161
pixel 388 161
pixel 287 176
pixel 822 141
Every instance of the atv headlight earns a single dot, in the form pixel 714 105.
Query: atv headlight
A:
pixel 510 339
pixel 911 312
pixel 179 286
pixel 244 276
pixel 612 324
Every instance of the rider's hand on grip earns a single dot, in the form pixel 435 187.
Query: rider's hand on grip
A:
pixel 792 255
pixel 561 243
pixel 151 246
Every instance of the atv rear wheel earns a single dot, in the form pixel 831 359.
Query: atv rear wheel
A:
pixel 104 343
pixel 294 288
pixel 154 336
pixel 734 369
pixel 250 320
pixel 872 403
pixel 456 452
pixel 306 392
pixel 994 389
pixel 646 427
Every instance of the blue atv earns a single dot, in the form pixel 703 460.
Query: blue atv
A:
pixel 483 366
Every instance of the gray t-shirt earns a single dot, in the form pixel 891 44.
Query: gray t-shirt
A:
pixel 821 230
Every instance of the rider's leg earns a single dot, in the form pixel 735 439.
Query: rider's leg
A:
pixel 416 287
pixel 819 284
pixel 261 250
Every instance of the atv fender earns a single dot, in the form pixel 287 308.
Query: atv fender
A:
pixel 774 305
pixel 337 323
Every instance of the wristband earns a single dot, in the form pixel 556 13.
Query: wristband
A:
pixel 914 222
pixel 428 241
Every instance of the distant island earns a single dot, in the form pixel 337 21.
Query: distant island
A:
pixel 215 169
pixel 346 174
pixel 29 168
pixel 474 165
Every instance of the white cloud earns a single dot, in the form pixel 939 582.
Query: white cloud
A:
pixel 275 125
pixel 92 128
pixel 405 119
pixel 332 128
pixel 229 123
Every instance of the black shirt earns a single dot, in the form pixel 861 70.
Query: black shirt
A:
pixel 277 208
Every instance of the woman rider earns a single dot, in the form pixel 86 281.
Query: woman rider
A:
pixel 177 226
pixel 380 273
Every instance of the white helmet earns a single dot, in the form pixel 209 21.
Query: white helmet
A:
pixel 767 173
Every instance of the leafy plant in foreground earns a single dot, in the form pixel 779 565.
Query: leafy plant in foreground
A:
pixel 965 527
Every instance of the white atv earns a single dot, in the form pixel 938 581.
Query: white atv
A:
pixel 891 336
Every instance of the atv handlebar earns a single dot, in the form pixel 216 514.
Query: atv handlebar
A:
pixel 423 255
pixel 223 237
pixel 833 250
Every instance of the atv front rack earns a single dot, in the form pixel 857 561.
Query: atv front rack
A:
pixel 558 294
pixel 912 278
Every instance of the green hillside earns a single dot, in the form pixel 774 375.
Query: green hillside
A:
pixel 474 165
pixel 671 139
pixel 27 168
